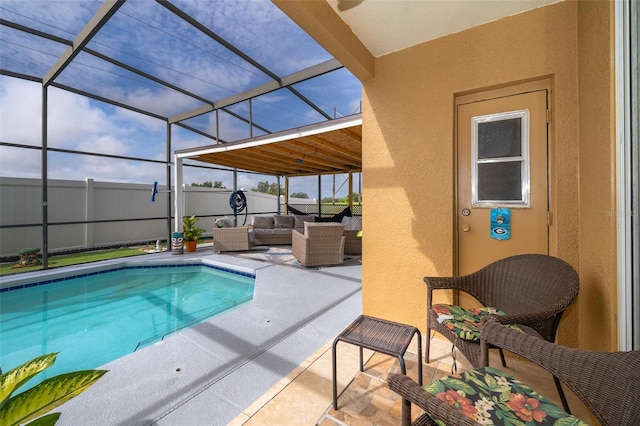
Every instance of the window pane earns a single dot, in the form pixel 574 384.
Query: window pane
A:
pixel 500 181
pixel 500 138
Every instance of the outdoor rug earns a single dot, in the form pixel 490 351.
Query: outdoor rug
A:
pixel 282 256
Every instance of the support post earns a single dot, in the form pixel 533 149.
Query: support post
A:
pixel 45 177
pixel 279 194
pixel 286 195
pixel 350 191
pixel 179 195
pixel 168 182
pixel 89 212
pixel 319 195
pixel 235 188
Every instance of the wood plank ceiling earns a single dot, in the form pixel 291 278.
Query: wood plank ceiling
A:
pixel 325 148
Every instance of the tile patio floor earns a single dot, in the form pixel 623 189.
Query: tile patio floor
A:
pixel 304 396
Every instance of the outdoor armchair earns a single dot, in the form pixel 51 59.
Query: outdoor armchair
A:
pixel 607 382
pixel 530 290
pixel 231 239
pixel 321 244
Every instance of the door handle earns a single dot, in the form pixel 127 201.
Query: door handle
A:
pixel 465 228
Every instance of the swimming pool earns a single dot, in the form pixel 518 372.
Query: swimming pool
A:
pixel 99 316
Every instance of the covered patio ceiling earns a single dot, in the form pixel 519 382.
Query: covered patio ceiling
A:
pixel 324 148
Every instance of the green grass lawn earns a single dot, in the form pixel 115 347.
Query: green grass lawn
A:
pixel 74 259
pixel 83 257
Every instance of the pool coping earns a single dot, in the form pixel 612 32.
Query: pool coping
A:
pixel 37 278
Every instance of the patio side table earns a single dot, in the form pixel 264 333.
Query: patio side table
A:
pixel 387 337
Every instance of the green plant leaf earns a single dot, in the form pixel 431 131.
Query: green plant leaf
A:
pixel 458 385
pixel 553 410
pixel 569 421
pixel 46 396
pixel 48 420
pixel 434 387
pixel 16 377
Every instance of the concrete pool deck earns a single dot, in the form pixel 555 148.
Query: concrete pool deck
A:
pixel 212 373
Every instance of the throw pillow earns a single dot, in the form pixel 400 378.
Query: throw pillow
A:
pixel 283 221
pixel 262 222
pixel 224 222
pixel 352 223
pixel 301 219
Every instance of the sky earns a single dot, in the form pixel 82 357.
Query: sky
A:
pixel 145 35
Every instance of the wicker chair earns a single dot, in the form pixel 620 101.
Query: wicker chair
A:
pixel 607 382
pixel 231 239
pixel 532 289
pixel 321 244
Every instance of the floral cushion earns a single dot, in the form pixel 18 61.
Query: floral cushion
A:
pixel 465 323
pixel 492 397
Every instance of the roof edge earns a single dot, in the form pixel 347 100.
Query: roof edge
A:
pixel 313 129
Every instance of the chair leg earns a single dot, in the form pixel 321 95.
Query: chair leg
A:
pixel 563 398
pixel 502 359
pixel 406 413
pixel 427 346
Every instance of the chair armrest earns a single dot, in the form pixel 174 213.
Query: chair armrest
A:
pixel 466 283
pixel 412 392
pixel 528 318
pixel 530 347
pixel 443 283
pixel 231 239
pixel 299 246
pixel 298 238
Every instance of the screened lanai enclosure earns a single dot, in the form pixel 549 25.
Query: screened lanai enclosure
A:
pixel 96 97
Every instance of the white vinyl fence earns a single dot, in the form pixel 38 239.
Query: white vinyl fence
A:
pixel 124 212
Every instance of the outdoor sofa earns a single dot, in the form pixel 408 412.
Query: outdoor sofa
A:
pixel 276 229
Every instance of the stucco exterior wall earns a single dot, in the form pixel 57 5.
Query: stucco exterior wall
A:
pixel 598 300
pixel 409 147
pixel 409 150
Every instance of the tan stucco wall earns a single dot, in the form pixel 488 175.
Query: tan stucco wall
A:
pixel 598 300
pixel 409 145
pixel 408 153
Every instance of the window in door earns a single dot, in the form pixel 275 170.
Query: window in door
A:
pixel 500 159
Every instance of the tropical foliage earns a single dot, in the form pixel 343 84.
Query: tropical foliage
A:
pixel 35 402
pixel 268 188
pixel 189 229
pixel 209 184
pixel 492 397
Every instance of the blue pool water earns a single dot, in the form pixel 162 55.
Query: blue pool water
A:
pixel 95 319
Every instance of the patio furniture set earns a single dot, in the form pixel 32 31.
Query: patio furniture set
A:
pixel 523 298
pixel 312 243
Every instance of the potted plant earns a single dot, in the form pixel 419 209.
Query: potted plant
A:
pixel 191 232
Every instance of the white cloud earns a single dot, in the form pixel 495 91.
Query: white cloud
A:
pixel 15 162
pixel 20 111
pixel 64 18
pixel 72 119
